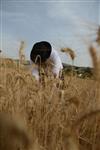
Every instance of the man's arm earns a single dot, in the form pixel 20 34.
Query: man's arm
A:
pixel 57 64
pixel 34 70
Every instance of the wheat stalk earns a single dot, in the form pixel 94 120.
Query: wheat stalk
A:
pixel 12 133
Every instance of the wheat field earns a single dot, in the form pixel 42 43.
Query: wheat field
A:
pixel 48 115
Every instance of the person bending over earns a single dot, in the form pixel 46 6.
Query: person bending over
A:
pixel 43 53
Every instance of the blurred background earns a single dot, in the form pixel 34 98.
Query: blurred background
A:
pixel 64 23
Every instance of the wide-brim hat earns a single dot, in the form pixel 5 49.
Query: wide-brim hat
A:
pixel 40 52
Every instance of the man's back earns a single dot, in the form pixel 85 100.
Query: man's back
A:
pixel 53 62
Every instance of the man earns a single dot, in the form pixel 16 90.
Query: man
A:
pixel 43 53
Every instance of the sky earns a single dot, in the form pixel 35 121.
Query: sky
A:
pixel 63 23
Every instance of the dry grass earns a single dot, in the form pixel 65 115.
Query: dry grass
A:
pixel 57 115
pixel 70 52
pixel 13 133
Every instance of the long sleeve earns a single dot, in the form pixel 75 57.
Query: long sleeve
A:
pixel 34 71
pixel 57 64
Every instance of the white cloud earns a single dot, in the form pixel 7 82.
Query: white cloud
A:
pixel 60 11
pixel 73 14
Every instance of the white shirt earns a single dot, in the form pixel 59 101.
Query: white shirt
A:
pixel 56 63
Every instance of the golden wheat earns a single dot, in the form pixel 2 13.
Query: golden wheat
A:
pixel 70 52
pixel 58 114
pixel 13 134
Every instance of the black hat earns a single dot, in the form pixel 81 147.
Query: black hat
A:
pixel 40 52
